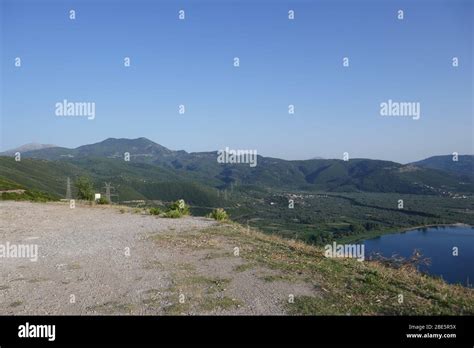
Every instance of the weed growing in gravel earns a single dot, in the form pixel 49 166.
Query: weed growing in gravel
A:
pixel 177 209
pixel 219 214
pixel 154 211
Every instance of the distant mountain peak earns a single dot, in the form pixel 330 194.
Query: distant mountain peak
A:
pixel 141 140
pixel 28 147
pixel 461 165
pixel 116 147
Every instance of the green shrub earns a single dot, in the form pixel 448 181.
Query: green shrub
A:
pixel 154 211
pixel 85 190
pixel 102 200
pixel 219 214
pixel 356 228
pixel 173 214
pixel 180 206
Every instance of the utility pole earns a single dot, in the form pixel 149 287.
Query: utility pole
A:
pixel 108 191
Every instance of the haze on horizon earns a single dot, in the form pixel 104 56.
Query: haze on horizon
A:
pixel 35 146
pixel 190 62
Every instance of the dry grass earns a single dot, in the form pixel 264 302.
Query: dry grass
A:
pixel 343 286
pixel 347 285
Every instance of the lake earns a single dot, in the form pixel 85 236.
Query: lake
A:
pixel 435 243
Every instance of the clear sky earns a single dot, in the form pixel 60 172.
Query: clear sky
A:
pixel 282 62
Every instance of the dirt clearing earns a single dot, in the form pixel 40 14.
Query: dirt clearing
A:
pixel 99 260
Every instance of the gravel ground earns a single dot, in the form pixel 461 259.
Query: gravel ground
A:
pixel 98 260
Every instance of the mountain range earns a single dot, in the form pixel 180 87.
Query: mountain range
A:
pixel 26 148
pixel 156 172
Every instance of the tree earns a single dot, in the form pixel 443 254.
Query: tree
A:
pixel 356 228
pixel 85 190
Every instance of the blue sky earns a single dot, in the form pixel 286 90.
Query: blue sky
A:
pixel 283 62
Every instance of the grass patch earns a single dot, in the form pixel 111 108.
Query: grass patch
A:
pixel 244 267
pixel 194 241
pixel 177 308
pixel 198 291
pixel 341 286
pixel 155 298
pixel 216 255
pixel 154 264
pixel 346 285
pixel 219 303
pixel 277 278
pixel 73 266
pixel 15 304
pixel 37 280
pixel 211 285
pixel 112 307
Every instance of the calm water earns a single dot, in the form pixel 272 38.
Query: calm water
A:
pixel 435 243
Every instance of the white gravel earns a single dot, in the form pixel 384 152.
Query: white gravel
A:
pixel 83 265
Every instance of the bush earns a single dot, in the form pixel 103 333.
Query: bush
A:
pixel 180 206
pixel 319 238
pixel 173 214
pixel 85 190
pixel 369 226
pixel 356 228
pixel 102 200
pixel 219 214
pixel 177 209
pixel 154 211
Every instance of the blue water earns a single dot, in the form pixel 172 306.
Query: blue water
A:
pixel 435 243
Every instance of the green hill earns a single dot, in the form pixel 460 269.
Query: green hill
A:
pixel 463 166
pixel 152 163
pixel 132 180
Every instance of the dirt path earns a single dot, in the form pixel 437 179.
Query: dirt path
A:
pixel 98 260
